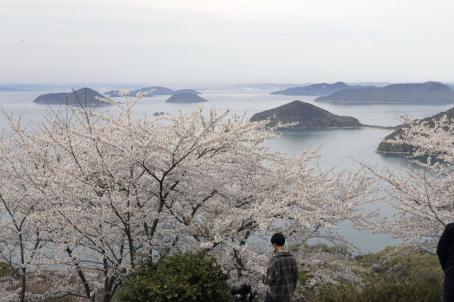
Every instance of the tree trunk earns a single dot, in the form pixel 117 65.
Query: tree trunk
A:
pixel 23 270
pixel 23 284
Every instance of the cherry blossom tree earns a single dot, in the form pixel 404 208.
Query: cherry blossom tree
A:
pixel 113 188
pixel 423 195
pixel 21 239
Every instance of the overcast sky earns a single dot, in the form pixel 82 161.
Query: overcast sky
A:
pixel 225 41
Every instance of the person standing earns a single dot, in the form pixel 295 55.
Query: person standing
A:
pixel 445 253
pixel 282 272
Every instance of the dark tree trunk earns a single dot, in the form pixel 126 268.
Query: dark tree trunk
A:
pixel 23 270
pixel 23 284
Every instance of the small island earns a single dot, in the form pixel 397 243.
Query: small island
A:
pixel 388 147
pixel 420 93
pixel 314 89
pixel 186 98
pixel 151 91
pixel 80 97
pixel 303 115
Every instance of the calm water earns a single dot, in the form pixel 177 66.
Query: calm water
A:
pixel 339 148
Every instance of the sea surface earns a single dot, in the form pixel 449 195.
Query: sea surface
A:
pixel 339 148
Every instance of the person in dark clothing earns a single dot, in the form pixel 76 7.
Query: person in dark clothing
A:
pixel 281 274
pixel 445 252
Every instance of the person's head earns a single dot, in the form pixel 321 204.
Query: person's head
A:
pixel 278 241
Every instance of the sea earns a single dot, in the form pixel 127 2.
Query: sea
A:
pixel 339 149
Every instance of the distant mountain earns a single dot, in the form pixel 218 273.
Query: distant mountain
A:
pixel 186 98
pixel 9 89
pixel 84 96
pixel 32 87
pixel 387 147
pixel 307 116
pixel 314 89
pixel 420 93
pixel 186 91
pixel 49 87
pixel 259 86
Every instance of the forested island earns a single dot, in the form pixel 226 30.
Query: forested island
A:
pixel 186 98
pixel 80 97
pixel 301 115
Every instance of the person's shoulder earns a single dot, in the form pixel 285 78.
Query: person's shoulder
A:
pixel 292 258
pixel 272 259
pixel 283 255
pixel 450 226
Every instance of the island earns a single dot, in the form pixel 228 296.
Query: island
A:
pixel 314 89
pixel 387 147
pixel 147 92
pixel 419 93
pixel 156 114
pixel 80 97
pixel 301 115
pixel 151 91
pixel 116 93
pixel 186 98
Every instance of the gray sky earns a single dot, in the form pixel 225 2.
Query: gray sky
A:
pixel 226 41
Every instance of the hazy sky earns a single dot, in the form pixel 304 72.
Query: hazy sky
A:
pixel 226 41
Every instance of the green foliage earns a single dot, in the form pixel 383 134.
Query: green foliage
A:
pixel 5 269
pixel 332 249
pixel 183 277
pixel 393 275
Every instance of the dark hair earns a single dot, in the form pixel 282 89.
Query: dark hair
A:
pixel 278 239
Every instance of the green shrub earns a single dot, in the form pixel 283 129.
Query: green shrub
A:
pixel 393 275
pixel 182 277
pixel 5 269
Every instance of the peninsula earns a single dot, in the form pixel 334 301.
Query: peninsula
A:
pixel 388 147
